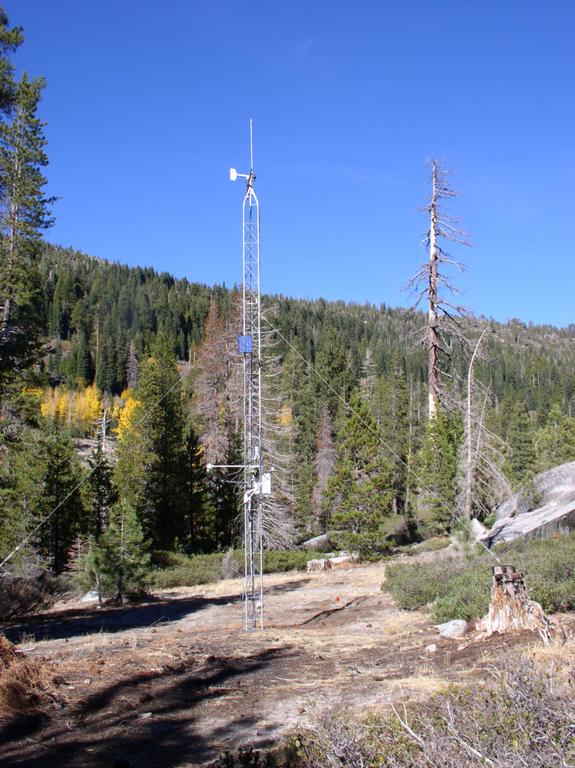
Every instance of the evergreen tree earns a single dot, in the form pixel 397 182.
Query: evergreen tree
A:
pixel 150 471
pixel 122 560
pixel 24 214
pixel 199 533
pixel 224 497
pixel 10 40
pixel 437 470
pixel 39 478
pixel 394 417
pixel 358 495
pixel 521 463
pixel 555 442
pixel 101 490
pixel 333 368
pixel 62 473
pixel 299 390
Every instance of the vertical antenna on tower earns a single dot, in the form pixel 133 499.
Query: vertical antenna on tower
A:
pixel 255 483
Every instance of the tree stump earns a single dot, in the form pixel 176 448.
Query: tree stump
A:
pixel 510 607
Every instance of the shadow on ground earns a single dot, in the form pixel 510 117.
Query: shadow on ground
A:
pixel 71 623
pixel 145 720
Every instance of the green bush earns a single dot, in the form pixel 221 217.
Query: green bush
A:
pixel 162 558
pixel 549 567
pixel 434 544
pixel 276 561
pixel 460 588
pixel 415 584
pixel 190 571
pixel 178 570
pixel 466 596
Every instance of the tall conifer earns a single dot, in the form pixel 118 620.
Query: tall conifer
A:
pixel 359 494
pixel 25 212
pixel 150 471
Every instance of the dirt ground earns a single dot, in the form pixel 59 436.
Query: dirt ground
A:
pixel 176 681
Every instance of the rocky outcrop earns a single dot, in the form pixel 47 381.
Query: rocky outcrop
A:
pixel 544 509
pixel 318 543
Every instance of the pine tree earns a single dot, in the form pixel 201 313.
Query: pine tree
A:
pixel 437 471
pixel 101 495
pixel 199 533
pixel 335 377
pixel 299 391
pixel 224 498
pixel 358 495
pixel 150 470
pixel 555 442
pixel 10 40
pixel 522 460
pixel 25 212
pixel 39 478
pixel 61 475
pixel 122 560
pixel 394 412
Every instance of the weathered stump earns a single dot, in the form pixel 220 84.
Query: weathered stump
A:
pixel 318 565
pixel 510 607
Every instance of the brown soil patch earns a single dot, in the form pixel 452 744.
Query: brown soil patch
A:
pixel 176 681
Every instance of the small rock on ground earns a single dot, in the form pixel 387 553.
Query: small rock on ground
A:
pixel 452 629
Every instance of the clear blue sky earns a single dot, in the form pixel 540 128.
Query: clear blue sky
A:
pixel 148 104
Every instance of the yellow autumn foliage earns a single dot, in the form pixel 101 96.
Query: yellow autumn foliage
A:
pixel 87 407
pixel 126 414
pixel 34 392
pixel 285 415
pixel 78 409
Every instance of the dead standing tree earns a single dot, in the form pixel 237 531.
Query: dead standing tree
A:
pixel 217 382
pixel 483 484
pixel 279 528
pixel 432 281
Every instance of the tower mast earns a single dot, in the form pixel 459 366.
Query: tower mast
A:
pixel 250 347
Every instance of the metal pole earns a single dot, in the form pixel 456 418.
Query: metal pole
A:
pixel 251 349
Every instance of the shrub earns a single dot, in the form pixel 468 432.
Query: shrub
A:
pixel 189 571
pixel 26 593
pixel 549 567
pixel 161 558
pixel 277 560
pixel 434 544
pixel 524 718
pixel 415 584
pixel 460 588
pixel 466 596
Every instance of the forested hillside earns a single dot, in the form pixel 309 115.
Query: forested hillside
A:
pixel 119 386
pixel 120 338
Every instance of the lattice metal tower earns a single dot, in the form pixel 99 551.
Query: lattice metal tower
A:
pixel 255 483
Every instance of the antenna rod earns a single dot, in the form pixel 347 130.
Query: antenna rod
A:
pixel 251 145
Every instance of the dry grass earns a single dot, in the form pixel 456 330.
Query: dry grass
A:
pixel 25 686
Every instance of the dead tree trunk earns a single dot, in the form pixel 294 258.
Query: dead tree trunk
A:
pixel 432 282
pixel 510 607
pixel 432 323
pixel 469 458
